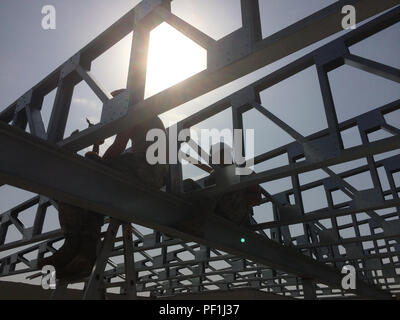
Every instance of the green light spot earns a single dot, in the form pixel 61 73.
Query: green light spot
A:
pixel 242 240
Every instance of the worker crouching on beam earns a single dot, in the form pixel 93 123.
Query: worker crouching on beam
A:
pixel 82 228
pixel 235 206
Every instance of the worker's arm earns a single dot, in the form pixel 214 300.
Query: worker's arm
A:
pixel 118 146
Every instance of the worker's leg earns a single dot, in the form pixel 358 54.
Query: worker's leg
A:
pixel 71 223
pixel 82 264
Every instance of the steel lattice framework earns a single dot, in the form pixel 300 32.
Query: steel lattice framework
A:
pixel 189 259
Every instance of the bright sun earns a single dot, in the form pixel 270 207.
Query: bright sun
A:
pixel 172 58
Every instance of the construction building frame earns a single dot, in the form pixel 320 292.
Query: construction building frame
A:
pixel 307 266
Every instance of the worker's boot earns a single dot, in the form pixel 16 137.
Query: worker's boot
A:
pixel 60 258
pixel 71 223
pixel 82 264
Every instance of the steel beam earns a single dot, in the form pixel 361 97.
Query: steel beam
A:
pixel 94 288
pixel 373 67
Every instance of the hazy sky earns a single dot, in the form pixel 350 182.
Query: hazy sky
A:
pixel 28 53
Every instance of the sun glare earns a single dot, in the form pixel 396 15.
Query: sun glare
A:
pixel 172 58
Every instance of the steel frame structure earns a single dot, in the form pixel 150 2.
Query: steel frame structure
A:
pixel 306 266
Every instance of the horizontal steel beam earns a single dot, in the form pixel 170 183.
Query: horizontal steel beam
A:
pixel 30 163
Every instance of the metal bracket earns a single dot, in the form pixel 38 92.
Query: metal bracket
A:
pixel 331 55
pixel 371 121
pixel 24 101
pixel 70 66
pixel 229 49
pixel 143 13
pixel 243 98
pixel 322 149
pixel 115 108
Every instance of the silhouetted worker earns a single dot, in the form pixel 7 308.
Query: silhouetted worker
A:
pixel 151 175
pixel 235 206
pixel 82 228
